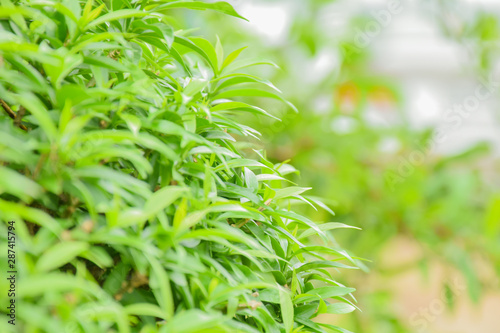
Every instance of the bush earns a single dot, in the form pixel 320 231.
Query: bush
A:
pixel 136 204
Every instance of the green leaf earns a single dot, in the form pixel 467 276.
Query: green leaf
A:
pixel 39 111
pixel 301 219
pixel 253 92
pixel 144 309
pixel 219 50
pixel 231 57
pixel 163 198
pixel 240 162
pixel 33 215
pixel 321 264
pixel 241 106
pixel 116 15
pixel 286 310
pixel 98 256
pixel 270 295
pixel 162 31
pixel 238 78
pixel 36 285
pixel 220 6
pixel 289 192
pixel 13 183
pixel 340 308
pixel 325 227
pixel 160 284
pixel 209 51
pixel 251 180
pixel 199 50
pixel 193 320
pixel 326 292
pixel 105 62
pixel 60 254
pixel 335 328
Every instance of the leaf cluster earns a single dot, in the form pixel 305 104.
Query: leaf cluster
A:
pixel 139 206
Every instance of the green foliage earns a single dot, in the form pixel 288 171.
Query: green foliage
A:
pixel 138 205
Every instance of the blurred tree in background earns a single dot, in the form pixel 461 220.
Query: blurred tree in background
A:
pixel 355 143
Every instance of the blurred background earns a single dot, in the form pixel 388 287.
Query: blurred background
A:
pixel 398 130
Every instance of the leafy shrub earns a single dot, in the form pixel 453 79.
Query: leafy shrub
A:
pixel 137 206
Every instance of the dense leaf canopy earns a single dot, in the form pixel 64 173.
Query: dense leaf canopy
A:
pixel 139 205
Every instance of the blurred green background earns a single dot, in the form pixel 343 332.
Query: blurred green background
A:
pixel 398 129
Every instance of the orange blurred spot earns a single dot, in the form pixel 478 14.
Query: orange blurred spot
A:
pixel 347 96
pixel 381 96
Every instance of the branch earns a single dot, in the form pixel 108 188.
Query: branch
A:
pixel 12 114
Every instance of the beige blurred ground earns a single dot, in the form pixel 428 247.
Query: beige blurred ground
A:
pixel 415 294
